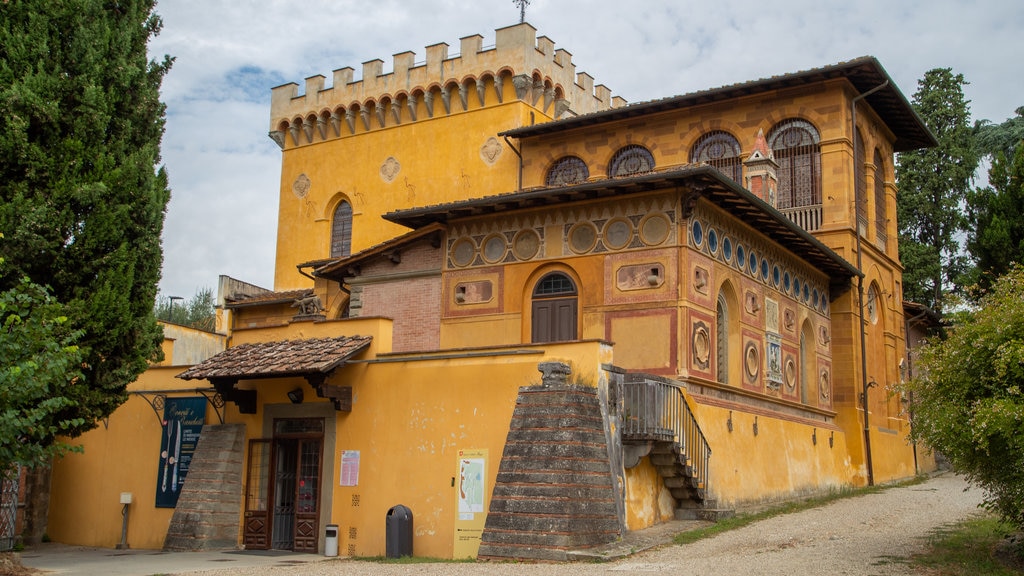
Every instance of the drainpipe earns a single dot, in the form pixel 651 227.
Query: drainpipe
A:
pixel 860 287
pixel 907 323
pixel 518 153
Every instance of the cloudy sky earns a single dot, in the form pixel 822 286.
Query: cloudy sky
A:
pixel 225 171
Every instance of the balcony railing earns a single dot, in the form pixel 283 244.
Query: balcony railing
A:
pixel 806 217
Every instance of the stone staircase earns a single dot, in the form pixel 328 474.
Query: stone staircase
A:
pixel 209 507
pixel 554 491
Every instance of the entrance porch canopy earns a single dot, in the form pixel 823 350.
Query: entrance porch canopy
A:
pixel 313 359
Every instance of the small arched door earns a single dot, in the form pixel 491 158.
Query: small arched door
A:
pixel 554 310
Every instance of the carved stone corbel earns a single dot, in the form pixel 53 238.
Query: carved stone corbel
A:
pixel 522 85
pixel 499 84
pixel 561 107
pixel 549 96
pixel 336 123
pixel 380 115
pixel 411 104
pixel 538 91
pixel 350 120
pixel 278 137
pixel 480 89
pixel 396 113
pixel 365 115
pixel 464 97
pixel 294 131
pixel 321 127
pixel 428 100
pixel 446 99
pixel 307 128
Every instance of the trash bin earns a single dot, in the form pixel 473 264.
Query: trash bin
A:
pixel 331 540
pixel 399 532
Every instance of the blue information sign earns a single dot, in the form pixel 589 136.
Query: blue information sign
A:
pixel 183 422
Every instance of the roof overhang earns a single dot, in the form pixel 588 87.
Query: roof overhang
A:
pixel 864 73
pixel 694 181
pixel 313 359
pixel 339 268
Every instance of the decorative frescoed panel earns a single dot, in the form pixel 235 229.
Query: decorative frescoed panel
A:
pixel 711 234
pixel 699 347
pixel 474 292
pixel 752 360
pixel 640 276
pixel 699 280
pixel 824 383
pixel 790 373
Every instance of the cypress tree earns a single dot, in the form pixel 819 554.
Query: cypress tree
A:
pixel 82 199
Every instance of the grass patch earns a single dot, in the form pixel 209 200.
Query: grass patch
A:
pixel 967 548
pixel 741 520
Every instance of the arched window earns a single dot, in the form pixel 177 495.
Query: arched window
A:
pixel 860 178
pixel 721 150
pixel 567 170
pixel 341 230
pixel 881 221
pixel 554 309
pixel 795 144
pixel 629 160
pixel 722 339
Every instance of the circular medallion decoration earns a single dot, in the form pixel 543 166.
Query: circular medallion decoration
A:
pixel 815 298
pixel 752 265
pixel 807 293
pixel 741 256
pixel 582 237
pixel 752 362
pixel 727 249
pixel 764 269
pixel 712 240
pixel 787 282
pixel 824 388
pixel 526 244
pixel 697 231
pixel 654 229
pixel 796 287
pixel 701 345
pixel 790 373
pixel 617 233
pixel 494 248
pixel 775 275
pixel 462 252
pixel 301 186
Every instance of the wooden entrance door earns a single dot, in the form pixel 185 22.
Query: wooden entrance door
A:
pixel 283 488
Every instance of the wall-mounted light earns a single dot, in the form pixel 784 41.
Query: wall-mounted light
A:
pixel 295 396
pixel 832 439
pixel 728 423
pixel 814 437
pixel 755 425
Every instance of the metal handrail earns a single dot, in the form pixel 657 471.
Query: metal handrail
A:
pixel 659 411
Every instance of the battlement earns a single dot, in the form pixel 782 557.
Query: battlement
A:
pixel 520 64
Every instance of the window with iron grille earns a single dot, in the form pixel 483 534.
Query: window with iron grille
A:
pixel 567 170
pixel 632 159
pixel 721 150
pixel 880 219
pixel 795 145
pixel 722 339
pixel 861 183
pixel 341 231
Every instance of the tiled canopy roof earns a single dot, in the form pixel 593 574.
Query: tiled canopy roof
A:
pixel 279 359
pixel 266 298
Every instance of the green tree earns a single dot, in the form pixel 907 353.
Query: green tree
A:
pixel 1004 137
pixel 196 312
pixel 996 213
pixel 82 202
pixel 934 184
pixel 39 376
pixel 968 401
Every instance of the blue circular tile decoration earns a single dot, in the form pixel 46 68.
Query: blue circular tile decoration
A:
pixel 815 298
pixel 753 263
pixel 796 287
pixel 764 269
pixel 712 240
pixel 775 275
pixel 786 282
pixel 698 233
pixel 741 256
pixel 727 249
pixel 807 294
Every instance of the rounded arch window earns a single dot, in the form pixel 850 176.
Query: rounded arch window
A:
pixel 567 170
pixel 632 159
pixel 341 230
pixel 795 145
pixel 720 149
pixel 554 284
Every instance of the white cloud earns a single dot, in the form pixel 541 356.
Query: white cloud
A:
pixel 225 171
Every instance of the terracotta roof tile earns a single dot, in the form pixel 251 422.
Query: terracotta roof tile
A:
pixel 267 298
pixel 278 359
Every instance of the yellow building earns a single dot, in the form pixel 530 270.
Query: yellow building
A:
pixel 709 284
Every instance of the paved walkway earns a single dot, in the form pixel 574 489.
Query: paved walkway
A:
pixel 861 536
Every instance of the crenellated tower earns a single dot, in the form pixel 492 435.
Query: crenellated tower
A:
pixel 424 133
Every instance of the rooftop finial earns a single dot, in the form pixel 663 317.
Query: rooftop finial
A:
pixel 522 9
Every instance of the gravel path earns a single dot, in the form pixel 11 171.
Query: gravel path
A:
pixel 854 536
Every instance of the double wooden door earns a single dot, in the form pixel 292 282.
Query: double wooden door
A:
pixel 282 505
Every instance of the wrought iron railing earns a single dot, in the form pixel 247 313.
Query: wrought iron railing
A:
pixel 658 411
pixel 806 217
